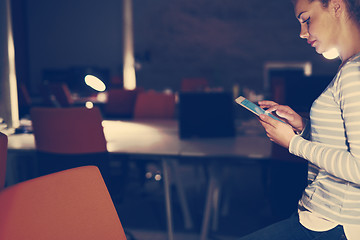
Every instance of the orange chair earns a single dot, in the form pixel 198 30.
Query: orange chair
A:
pixel 69 137
pixel 153 104
pixel 73 130
pixel 120 103
pixel 3 157
pixel 194 84
pixel 71 204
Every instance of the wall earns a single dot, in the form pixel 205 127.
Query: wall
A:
pixel 225 41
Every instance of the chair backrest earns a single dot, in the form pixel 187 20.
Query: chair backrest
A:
pixel 72 204
pixel 153 104
pixel 194 84
pixel 74 130
pixel 120 103
pixel 3 157
pixel 62 94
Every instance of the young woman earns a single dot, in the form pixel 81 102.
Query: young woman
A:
pixel 330 140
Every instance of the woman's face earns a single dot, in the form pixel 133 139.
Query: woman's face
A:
pixel 318 24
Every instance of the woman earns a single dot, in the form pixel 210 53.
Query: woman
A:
pixel 330 141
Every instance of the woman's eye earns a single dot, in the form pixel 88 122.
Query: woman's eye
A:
pixel 307 21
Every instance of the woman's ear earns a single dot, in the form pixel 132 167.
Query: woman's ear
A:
pixel 337 7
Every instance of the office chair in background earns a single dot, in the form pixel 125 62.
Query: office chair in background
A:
pixel 153 104
pixel 69 137
pixel 120 103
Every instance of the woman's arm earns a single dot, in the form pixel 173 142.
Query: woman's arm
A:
pixel 342 162
pixel 278 132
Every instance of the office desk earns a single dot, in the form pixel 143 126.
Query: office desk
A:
pixel 159 139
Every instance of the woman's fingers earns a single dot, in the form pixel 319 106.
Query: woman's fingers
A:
pixel 282 108
pixel 267 104
pixel 277 132
pixel 285 113
pixel 267 122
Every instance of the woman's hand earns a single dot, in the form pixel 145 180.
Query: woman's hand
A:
pixel 285 113
pixel 278 132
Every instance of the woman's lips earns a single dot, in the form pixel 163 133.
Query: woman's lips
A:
pixel 311 42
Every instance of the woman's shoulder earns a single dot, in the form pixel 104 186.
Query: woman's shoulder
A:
pixel 348 74
pixel 350 71
pixel 352 64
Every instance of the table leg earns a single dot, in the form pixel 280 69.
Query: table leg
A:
pixel 216 204
pixel 168 199
pixel 207 211
pixel 212 199
pixel 181 192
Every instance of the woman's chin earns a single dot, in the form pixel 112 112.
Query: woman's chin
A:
pixel 319 50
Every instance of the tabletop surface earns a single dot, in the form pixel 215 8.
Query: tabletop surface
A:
pixel 161 137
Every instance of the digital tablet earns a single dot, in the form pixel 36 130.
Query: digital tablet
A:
pixel 242 101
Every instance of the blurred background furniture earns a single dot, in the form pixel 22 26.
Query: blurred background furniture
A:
pixel 68 130
pixel 206 114
pixel 62 94
pixel 158 139
pixel 3 158
pixel 193 84
pixel 25 101
pixel 152 104
pixel 71 204
pixel 120 103
pixel 56 94
pixel 69 137
pixel 74 78
pixel 160 105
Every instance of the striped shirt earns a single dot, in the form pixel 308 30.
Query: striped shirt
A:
pixel 333 149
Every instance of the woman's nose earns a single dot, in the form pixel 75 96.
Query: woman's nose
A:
pixel 304 32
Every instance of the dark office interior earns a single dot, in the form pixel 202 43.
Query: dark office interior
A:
pixel 229 44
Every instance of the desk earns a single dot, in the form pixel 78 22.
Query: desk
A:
pixel 159 139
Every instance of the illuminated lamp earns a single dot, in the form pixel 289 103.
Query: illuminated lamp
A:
pixel 95 83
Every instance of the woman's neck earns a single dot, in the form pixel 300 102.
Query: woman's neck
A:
pixel 349 43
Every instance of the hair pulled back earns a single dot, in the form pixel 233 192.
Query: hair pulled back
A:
pixel 353 8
